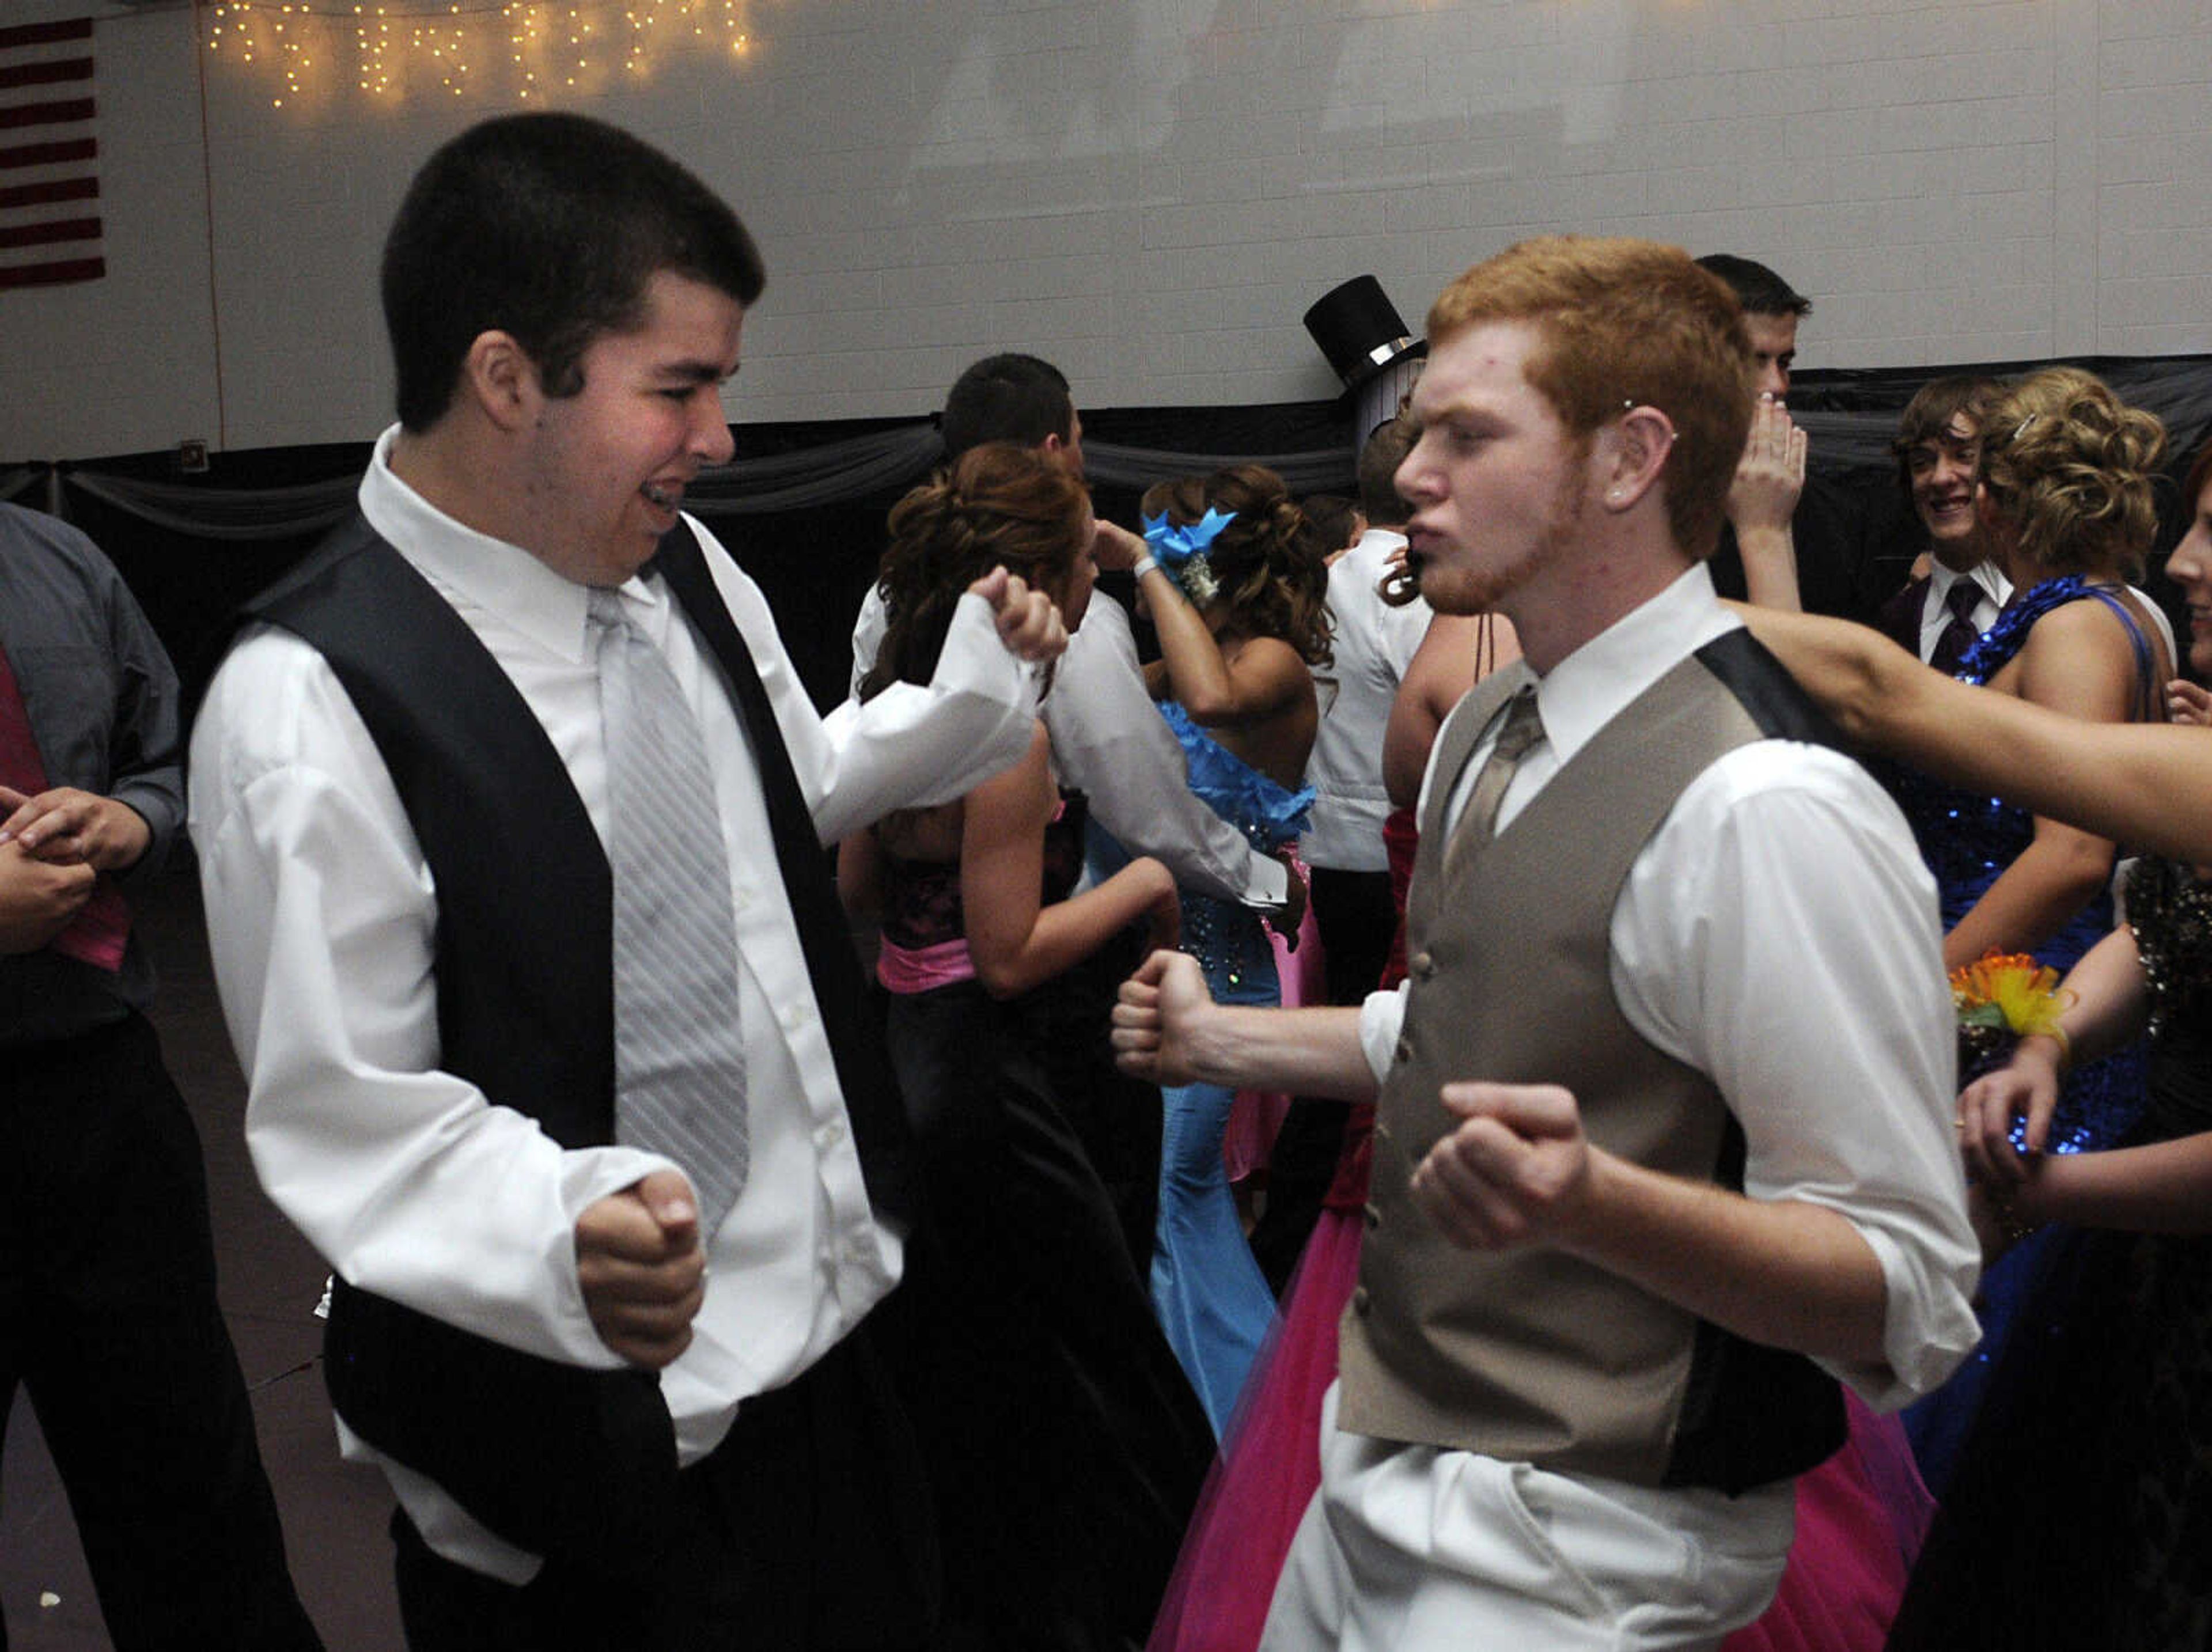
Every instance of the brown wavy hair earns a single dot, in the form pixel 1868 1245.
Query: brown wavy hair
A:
pixel 1272 578
pixel 2072 469
pixel 997 505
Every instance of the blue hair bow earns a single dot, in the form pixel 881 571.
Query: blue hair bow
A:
pixel 1174 543
pixel 1180 549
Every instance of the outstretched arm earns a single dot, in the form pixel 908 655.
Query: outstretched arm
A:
pixel 2149 784
pixel 1168 1028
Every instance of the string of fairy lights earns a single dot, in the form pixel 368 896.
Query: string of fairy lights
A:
pixel 532 50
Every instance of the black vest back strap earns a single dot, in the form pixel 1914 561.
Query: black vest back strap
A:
pixel 856 1041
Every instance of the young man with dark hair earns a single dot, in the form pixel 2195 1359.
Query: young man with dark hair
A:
pixel 1017 399
pixel 1642 1157
pixel 1939 614
pixel 510 812
pixel 1772 310
pixel 1758 556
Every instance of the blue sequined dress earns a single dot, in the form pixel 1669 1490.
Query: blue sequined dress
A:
pixel 1208 1291
pixel 1967 841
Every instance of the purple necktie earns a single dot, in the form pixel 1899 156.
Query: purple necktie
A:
pixel 1960 631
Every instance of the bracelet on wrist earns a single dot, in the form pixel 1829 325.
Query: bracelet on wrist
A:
pixel 1144 565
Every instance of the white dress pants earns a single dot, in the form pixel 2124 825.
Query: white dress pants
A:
pixel 1409 1548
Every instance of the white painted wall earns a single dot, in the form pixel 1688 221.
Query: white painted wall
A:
pixel 1152 191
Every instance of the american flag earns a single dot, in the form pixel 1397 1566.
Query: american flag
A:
pixel 49 177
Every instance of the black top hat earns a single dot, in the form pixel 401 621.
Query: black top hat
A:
pixel 1360 330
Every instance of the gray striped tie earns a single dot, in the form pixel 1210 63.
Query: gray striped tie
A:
pixel 679 1051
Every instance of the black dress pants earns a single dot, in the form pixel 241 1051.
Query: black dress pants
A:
pixel 108 1319
pixel 806 1530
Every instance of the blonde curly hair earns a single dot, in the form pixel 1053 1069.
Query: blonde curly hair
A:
pixel 2072 470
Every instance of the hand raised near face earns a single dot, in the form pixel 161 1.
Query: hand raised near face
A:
pixel 1771 475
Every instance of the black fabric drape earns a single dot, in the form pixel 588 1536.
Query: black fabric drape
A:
pixel 804 503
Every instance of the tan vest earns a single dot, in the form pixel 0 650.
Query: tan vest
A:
pixel 1531 1355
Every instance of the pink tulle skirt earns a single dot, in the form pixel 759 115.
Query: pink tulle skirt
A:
pixel 1270 1463
pixel 1860 1518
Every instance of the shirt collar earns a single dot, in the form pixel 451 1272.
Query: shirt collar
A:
pixel 483 571
pixel 1983 574
pixel 1593 685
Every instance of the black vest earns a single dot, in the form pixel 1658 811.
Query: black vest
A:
pixel 554 1458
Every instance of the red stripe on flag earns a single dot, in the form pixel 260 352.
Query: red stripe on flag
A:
pixel 76 28
pixel 46 155
pixel 58 189
pixel 46 114
pixel 51 275
pixel 45 234
pixel 45 74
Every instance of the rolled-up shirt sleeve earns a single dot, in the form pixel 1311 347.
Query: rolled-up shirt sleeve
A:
pixel 1779 933
pixel 323 918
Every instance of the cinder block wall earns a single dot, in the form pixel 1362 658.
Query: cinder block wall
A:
pixel 1152 191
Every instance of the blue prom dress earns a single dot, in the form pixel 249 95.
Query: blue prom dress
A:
pixel 1208 1291
pixel 1967 842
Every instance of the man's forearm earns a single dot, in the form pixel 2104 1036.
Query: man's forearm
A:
pixel 1785 1272
pixel 1310 1052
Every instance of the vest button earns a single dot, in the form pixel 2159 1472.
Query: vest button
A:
pixel 1372 1215
pixel 1360 1300
pixel 1424 967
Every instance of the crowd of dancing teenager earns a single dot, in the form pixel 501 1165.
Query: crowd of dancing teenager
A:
pixel 2035 494
pixel 1664 1278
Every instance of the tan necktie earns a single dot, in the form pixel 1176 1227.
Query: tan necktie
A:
pixel 1524 727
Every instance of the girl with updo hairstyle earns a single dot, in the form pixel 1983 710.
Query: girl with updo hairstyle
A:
pixel 1236 592
pixel 1065 1448
pixel 2067 509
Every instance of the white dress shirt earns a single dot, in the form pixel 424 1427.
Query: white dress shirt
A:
pixel 1371 643
pixel 322 916
pixel 1993 591
pixel 1109 742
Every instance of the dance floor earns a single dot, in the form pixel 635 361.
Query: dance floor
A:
pixel 334 1513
